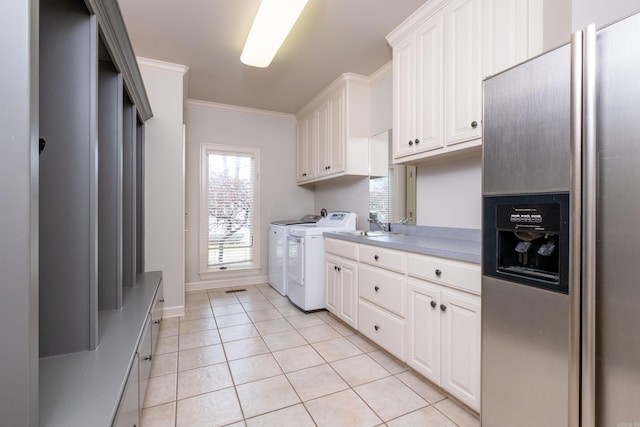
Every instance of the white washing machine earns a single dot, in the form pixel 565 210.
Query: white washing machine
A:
pixel 278 250
pixel 305 258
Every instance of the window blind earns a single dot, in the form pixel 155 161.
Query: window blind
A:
pixel 230 208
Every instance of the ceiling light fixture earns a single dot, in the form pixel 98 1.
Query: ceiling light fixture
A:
pixel 272 24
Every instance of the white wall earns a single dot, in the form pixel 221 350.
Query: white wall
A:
pixel 556 17
pixel 348 194
pixel 164 178
pixel 281 198
pixel 450 193
pixel 585 12
pixel 562 17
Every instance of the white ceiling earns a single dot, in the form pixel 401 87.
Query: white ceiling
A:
pixel 330 38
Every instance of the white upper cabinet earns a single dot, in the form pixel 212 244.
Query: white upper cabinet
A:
pixel 511 33
pixel 306 140
pixel 418 89
pixel 441 54
pixel 333 131
pixel 463 108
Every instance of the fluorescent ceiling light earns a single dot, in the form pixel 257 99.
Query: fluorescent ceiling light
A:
pixel 272 24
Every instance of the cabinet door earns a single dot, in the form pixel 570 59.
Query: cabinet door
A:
pixel 128 414
pixel 429 84
pixel 423 330
pixel 349 293
pixel 331 284
pixel 512 33
pixel 307 148
pixel 461 346
pixel 324 140
pixel 312 145
pixel 145 355
pixel 302 155
pixel 462 67
pixel 404 110
pixel 337 133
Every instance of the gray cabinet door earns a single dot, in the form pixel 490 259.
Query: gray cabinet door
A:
pixel 128 414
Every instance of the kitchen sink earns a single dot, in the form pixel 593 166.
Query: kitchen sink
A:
pixel 365 233
pixel 381 234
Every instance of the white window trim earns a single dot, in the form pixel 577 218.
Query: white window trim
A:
pixel 204 271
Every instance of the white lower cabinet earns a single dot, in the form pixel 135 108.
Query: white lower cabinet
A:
pixel 382 288
pixel 382 327
pixel 422 309
pixel 443 338
pixel 460 346
pixel 423 329
pixel 341 280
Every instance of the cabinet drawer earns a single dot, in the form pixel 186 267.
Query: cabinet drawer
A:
pixel 383 288
pixel 457 274
pixel 384 258
pixel 341 248
pixel 382 327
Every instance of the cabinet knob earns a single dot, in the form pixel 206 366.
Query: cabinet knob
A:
pixel 417 141
pixel 157 322
pixel 410 142
pixel 147 358
pixel 162 300
pixel 376 257
pixel 304 174
pixel 438 272
pixel 443 307
pixel 339 268
pixel 434 304
pixel 474 124
pixel 376 327
pixel 376 288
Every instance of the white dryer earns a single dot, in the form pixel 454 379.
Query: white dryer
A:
pixel 278 250
pixel 305 258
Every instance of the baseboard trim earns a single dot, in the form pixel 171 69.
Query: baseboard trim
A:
pixel 177 311
pixel 225 283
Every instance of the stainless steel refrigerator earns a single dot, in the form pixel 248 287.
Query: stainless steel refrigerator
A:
pixel 561 235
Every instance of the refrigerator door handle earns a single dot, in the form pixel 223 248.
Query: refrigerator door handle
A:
pixel 589 216
pixel 575 206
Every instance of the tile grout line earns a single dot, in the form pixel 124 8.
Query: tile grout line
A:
pixel 253 323
pixel 226 361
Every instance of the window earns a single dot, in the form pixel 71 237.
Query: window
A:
pixel 380 199
pixel 229 206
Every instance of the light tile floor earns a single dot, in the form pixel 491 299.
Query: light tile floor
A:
pixel 250 358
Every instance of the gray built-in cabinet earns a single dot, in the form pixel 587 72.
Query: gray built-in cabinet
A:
pixel 79 316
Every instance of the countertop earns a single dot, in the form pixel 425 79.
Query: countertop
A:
pixel 462 244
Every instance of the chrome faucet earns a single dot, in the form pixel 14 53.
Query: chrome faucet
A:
pixel 373 218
